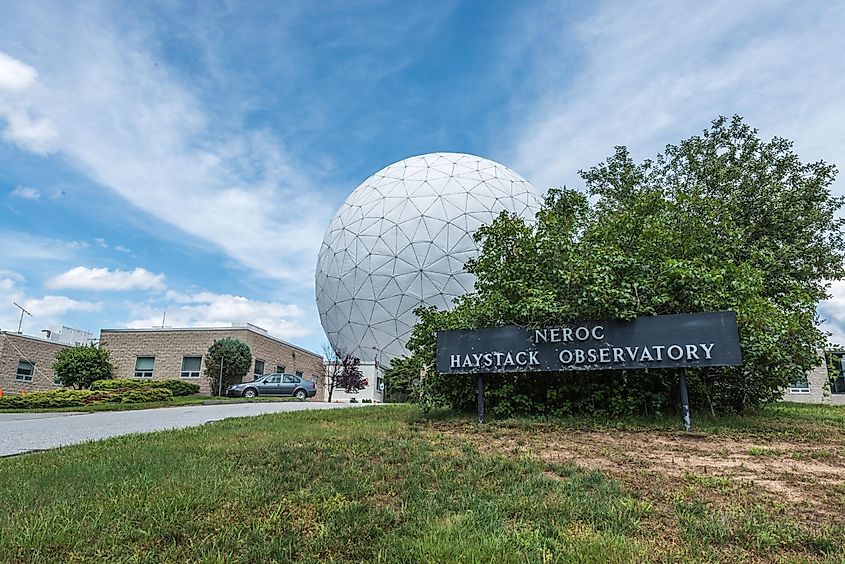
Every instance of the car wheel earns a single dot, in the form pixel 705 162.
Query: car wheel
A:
pixel 300 394
pixel 250 393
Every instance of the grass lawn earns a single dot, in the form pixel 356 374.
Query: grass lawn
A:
pixel 389 484
pixel 177 401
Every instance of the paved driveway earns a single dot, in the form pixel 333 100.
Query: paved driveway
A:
pixel 27 432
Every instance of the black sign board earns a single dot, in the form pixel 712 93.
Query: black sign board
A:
pixel 661 341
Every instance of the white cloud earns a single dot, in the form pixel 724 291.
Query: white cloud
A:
pixel 53 306
pixel 99 279
pixel 130 124
pixel 15 75
pixel 26 192
pixel 24 127
pixel 832 311
pixel 207 309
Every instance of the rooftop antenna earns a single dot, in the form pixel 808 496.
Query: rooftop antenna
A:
pixel 163 317
pixel 23 311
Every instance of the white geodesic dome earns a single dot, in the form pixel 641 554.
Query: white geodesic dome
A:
pixel 401 239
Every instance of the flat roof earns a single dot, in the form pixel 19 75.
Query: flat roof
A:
pixel 34 338
pixel 248 327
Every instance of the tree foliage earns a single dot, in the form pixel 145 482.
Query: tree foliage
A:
pixel 236 360
pixel 402 379
pixel 78 367
pixel 721 221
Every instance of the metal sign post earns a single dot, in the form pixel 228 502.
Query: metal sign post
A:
pixel 481 398
pixel 685 414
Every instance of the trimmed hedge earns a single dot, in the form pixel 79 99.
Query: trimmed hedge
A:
pixel 77 398
pixel 53 398
pixel 177 387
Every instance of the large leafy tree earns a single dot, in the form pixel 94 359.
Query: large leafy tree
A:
pixel 78 367
pixel 723 220
pixel 230 355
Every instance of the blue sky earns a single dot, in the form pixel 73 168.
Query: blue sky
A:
pixel 188 156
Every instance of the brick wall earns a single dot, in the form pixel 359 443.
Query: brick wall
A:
pixel 818 380
pixel 168 346
pixel 15 347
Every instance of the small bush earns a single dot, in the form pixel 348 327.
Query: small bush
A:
pixel 78 398
pixel 144 395
pixel 366 400
pixel 41 400
pixel 177 387
pixel 353 400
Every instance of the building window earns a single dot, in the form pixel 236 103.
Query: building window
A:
pixel 25 370
pixel 259 367
pixel 802 386
pixel 299 373
pixel 144 366
pixel 191 366
pixel 280 368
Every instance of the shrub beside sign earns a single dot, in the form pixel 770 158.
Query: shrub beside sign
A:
pixel 661 341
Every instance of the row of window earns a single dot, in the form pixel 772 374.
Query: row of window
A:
pixel 191 366
pixel 145 366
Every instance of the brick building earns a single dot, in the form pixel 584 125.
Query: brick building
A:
pixel 26 362
pixel 818 386
pixel 180 353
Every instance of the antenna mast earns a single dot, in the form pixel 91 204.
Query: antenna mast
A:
pixel 23 311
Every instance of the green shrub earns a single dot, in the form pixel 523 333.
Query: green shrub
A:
pixel 143 395
pixel 177 387
pixel 353 400
pixel 120 383
pixel 77 398
pixel 41 400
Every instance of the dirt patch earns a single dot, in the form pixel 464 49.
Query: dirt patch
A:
pixel 808 481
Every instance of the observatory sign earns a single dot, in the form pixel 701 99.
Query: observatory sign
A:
pixel 662 341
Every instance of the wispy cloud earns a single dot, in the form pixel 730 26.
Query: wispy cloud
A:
pixel 648 74
pixel 26 192
pixel 18 246
pixel 131 124
pixel 103 279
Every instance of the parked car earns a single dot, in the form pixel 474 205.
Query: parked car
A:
pixel 276 384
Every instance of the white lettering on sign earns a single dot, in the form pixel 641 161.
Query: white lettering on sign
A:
pixel 568 334
pixel 585 356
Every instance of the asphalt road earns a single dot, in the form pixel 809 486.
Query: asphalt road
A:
pixel 26 432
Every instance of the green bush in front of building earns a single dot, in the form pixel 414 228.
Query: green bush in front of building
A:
pixel 177 387
pixel 78 398
pixel 78 367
